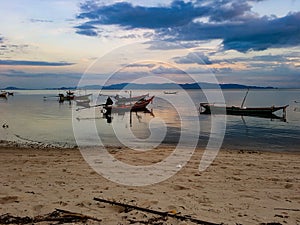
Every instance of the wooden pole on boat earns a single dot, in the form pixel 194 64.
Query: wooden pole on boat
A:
pixel 244 98
pixel 130 118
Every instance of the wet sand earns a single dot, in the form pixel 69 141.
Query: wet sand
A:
pixel 239 187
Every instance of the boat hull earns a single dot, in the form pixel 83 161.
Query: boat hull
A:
pixel 3 94
pixel 123 100
pixel 245 111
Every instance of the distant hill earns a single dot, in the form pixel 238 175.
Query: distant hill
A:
pixel 176 86
pixel 14 88
pixel 153 86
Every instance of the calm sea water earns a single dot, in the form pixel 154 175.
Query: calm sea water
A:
pixel 32 118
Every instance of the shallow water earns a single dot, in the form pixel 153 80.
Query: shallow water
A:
pixel 32 118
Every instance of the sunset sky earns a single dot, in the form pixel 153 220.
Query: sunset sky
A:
pixel 53 43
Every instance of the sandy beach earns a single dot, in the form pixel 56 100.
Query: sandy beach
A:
pixel 240 187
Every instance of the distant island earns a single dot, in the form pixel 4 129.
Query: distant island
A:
pixel 151 86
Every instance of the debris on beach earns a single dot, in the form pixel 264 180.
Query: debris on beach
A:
pixel 172 214
pixel 59 215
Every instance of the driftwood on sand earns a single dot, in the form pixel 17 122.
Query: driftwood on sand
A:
pixel 161 213
pixel 59 215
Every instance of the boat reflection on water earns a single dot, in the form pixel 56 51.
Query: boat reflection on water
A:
pixel 109 111
pixel 108 114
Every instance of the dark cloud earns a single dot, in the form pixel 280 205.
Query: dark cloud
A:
pixel 193 57
pixel 255 34
pixel 33 63
pixel 87 32
pixel 232 21
pixel 86 29
pixel 85 26
pixel 228 10
pixel 125 14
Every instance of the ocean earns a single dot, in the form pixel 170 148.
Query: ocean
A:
pixel 36 116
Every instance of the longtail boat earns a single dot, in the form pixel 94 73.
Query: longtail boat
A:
pixel 70 96
pixel 137 106
pixel 243 111
pixel 170 92
pixel 123 100
pixel 82 97
pixel 266 112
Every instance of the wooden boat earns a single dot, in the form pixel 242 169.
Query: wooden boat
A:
pixel 70 96
pixel 243 111
pixel 3 94
pixel 266 112
pixel 63 97
pixel 123 100
pixel 82 97
pixel 137 106
pixel 170 92
pixel 83 103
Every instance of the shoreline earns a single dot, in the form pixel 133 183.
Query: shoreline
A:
pixel 42 145
pixel 242 187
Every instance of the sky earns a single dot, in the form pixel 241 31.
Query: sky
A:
pixel 55 43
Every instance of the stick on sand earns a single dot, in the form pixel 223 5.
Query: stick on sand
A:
pixel 156 212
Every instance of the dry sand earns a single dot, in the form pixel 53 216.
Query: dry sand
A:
pixel 240 187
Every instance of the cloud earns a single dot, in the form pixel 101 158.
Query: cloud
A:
pixel 167 45
pixel 38 80
pixel 276 77
pixel 15 72
pixel 228 10
pixel 7 49
pixel 87 32
pixel 33 63
pixel 270 59
pixel 166 70
pixel 255 34
pixel 86 29
pixel 12 48
pixel 40 21
pixel 139 65
pixel 231 21
pixel 193 57
pixel 125 14
pixel 22 74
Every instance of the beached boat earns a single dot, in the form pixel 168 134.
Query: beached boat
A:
pixel 207 108
pixel 137 106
